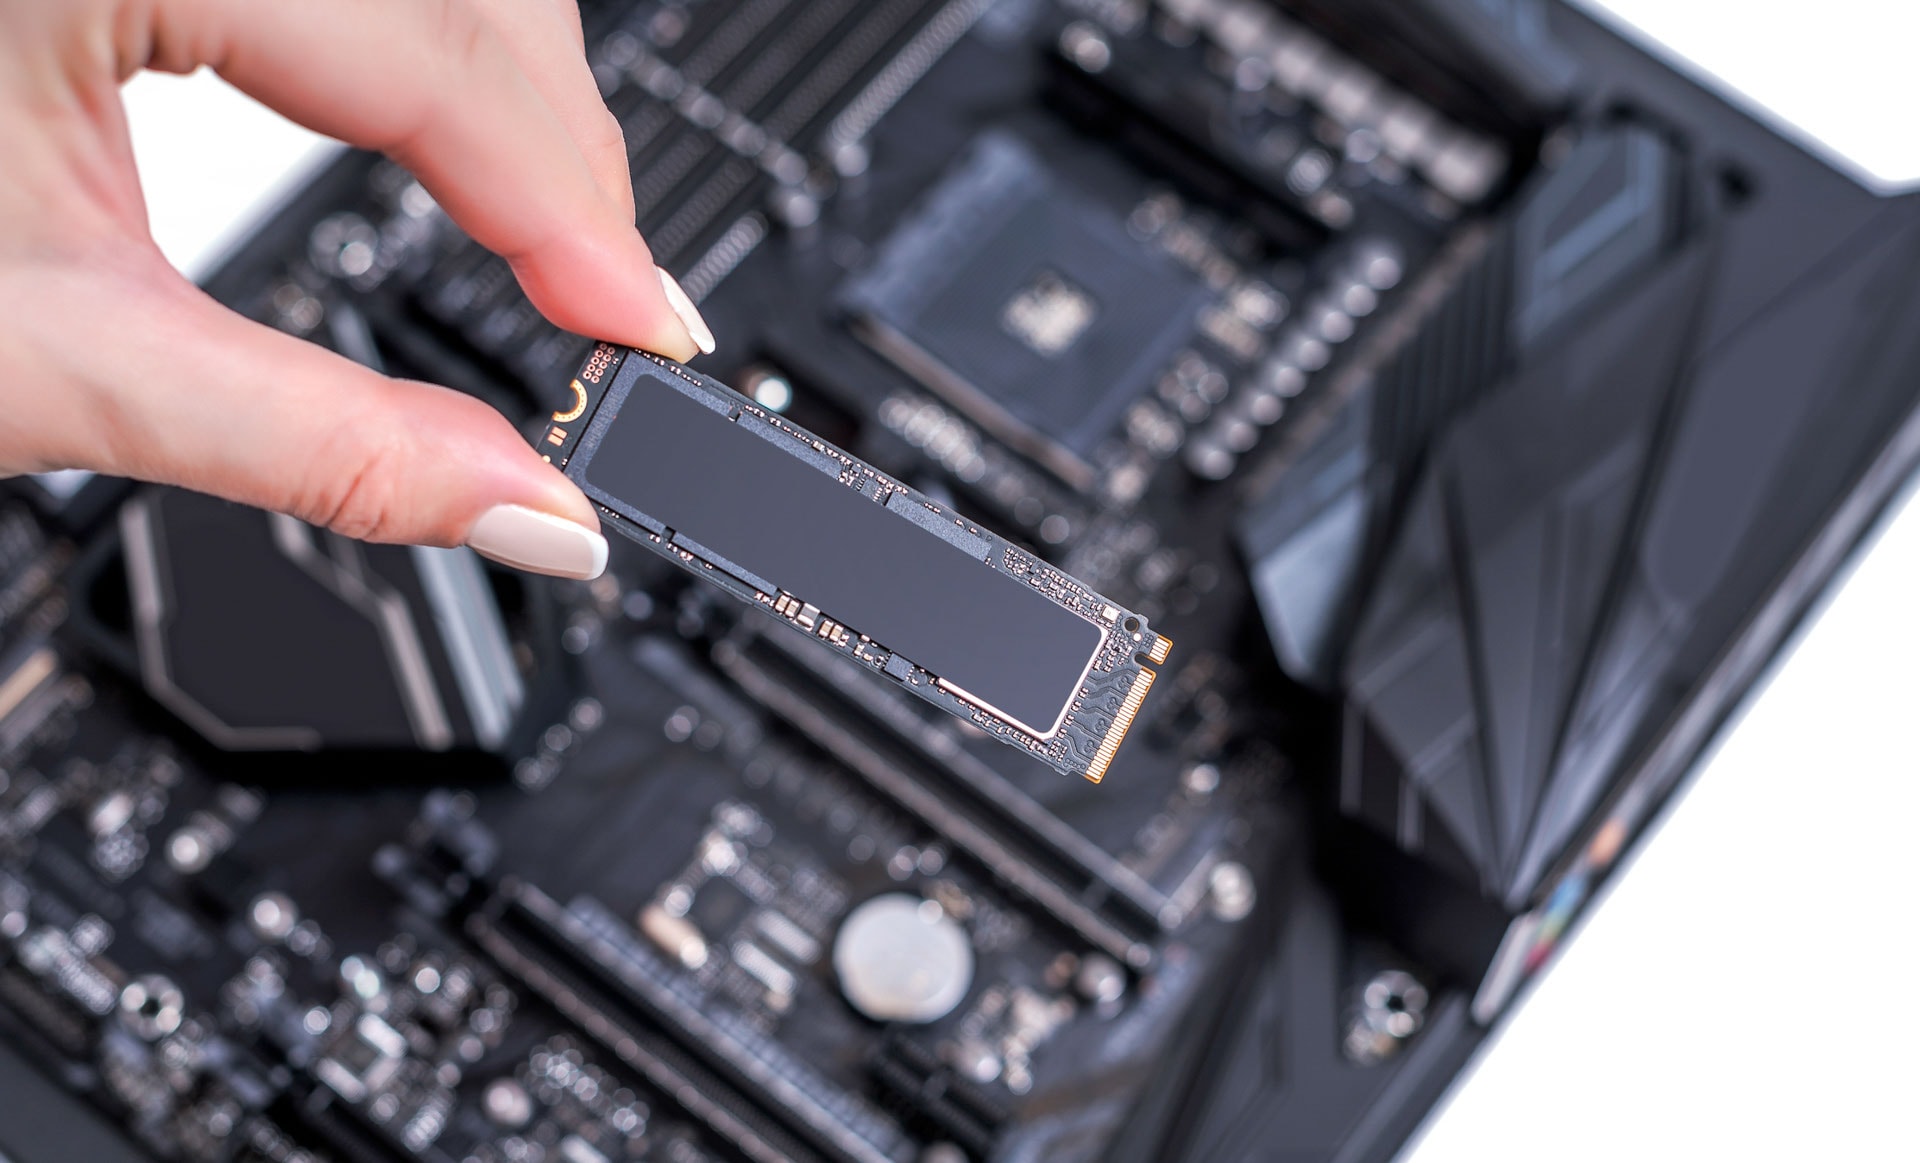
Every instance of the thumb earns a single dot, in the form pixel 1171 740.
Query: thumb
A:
pixel 192 394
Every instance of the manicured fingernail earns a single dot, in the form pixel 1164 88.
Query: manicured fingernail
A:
pixel 541 542
pixel 697 328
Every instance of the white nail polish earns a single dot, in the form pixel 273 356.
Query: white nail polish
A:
pixel 540 542
pixel 697 328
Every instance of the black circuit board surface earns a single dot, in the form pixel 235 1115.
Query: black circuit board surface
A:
pixel 1058 270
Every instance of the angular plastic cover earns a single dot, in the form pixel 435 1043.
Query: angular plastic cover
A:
pixel 1567 565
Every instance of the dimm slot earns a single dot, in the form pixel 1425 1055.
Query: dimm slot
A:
pixel 741 30
pixel 679 155
pixel 730 187
pixel 785 56
pixel 880 29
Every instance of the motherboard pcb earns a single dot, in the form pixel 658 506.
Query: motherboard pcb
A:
pixel 1452 382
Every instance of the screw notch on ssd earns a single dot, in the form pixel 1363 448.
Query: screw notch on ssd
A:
pixel 853 558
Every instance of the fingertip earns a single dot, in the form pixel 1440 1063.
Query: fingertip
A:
pixel 609 288
pixel 561 497
pixel 540 542
pixel 689 315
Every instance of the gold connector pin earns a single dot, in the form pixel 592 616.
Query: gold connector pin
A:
pixel 1129 707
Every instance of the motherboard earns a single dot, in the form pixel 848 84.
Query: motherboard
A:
pixel 1476 402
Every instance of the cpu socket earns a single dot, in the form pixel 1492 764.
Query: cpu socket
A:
pixel 1026 306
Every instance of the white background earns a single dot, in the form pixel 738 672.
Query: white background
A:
pixel 1746 991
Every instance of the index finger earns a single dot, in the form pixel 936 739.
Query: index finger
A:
pixel 546 38
pixel 431 84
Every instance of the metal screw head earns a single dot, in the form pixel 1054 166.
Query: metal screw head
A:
pixel 152 1006
pixel 1393 1007
pixel 1395 1003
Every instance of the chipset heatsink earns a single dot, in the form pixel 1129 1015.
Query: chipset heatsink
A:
pixel 1025 305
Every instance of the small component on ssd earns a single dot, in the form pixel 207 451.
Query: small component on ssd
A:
pixel 733 493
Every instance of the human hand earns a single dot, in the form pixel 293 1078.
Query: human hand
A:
pixel 111 361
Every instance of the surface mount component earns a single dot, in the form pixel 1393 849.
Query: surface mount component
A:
pixel 697 472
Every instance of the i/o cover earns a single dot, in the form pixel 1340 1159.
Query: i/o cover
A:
pixel 846 554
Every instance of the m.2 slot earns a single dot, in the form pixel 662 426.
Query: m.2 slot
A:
pixel 973 787
pixel 1055 882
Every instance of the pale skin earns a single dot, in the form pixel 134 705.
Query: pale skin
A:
pixel 112 361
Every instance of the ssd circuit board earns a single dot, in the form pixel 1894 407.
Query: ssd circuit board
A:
pixel 865 811
pixel 970 622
